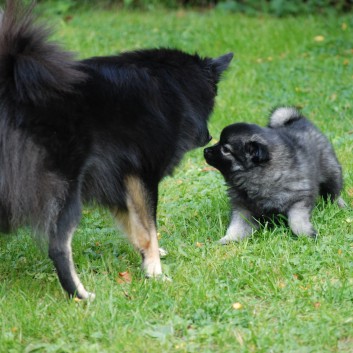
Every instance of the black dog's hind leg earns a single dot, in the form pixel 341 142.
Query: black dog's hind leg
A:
pixel 60 251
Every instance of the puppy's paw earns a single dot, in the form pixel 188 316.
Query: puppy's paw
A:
pixel 235 235
pixel 341 203
pixel 224 241
pixel 228 239
pixel 304 229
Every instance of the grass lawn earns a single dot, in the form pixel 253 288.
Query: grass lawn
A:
pixel 270 293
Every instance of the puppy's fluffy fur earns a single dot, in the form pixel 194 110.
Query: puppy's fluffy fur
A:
pixel 105 129
pixel 280 169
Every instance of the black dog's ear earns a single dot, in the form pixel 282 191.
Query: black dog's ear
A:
pixel 220 64
pixel 257 151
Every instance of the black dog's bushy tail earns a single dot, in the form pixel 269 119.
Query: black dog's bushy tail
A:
pixel 31 68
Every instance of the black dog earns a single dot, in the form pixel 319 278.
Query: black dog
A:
pixel 105 129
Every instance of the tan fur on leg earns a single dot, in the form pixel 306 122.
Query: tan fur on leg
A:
pixel 139 225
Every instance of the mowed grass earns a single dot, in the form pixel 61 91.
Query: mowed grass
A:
pixel 270 293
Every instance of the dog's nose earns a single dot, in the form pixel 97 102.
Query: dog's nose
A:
pixel 207 152
pixel 209 137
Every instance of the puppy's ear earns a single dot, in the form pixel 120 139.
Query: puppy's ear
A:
pixel 258 152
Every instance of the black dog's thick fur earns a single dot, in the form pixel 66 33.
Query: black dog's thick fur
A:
pixel 105 129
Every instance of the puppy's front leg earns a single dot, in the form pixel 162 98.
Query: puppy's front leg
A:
pixel 241 226
pixel 299 219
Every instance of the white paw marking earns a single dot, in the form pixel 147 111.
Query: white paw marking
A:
pixel 152 267
pixel 163 252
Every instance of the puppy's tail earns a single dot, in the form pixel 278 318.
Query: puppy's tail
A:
pixel 284 115
pixel 32 69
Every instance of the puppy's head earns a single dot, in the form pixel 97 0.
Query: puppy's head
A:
pixel 241 148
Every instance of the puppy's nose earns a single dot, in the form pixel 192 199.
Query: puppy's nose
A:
pixel 209 137
pixel 207 152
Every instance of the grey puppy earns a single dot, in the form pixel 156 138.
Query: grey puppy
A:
pixel 280 169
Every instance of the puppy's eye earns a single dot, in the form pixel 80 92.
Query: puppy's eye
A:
pixel 225 150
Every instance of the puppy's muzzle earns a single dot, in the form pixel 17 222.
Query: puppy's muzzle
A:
pixel 207 152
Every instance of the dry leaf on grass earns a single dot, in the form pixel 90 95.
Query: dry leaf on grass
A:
pixel 124 277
